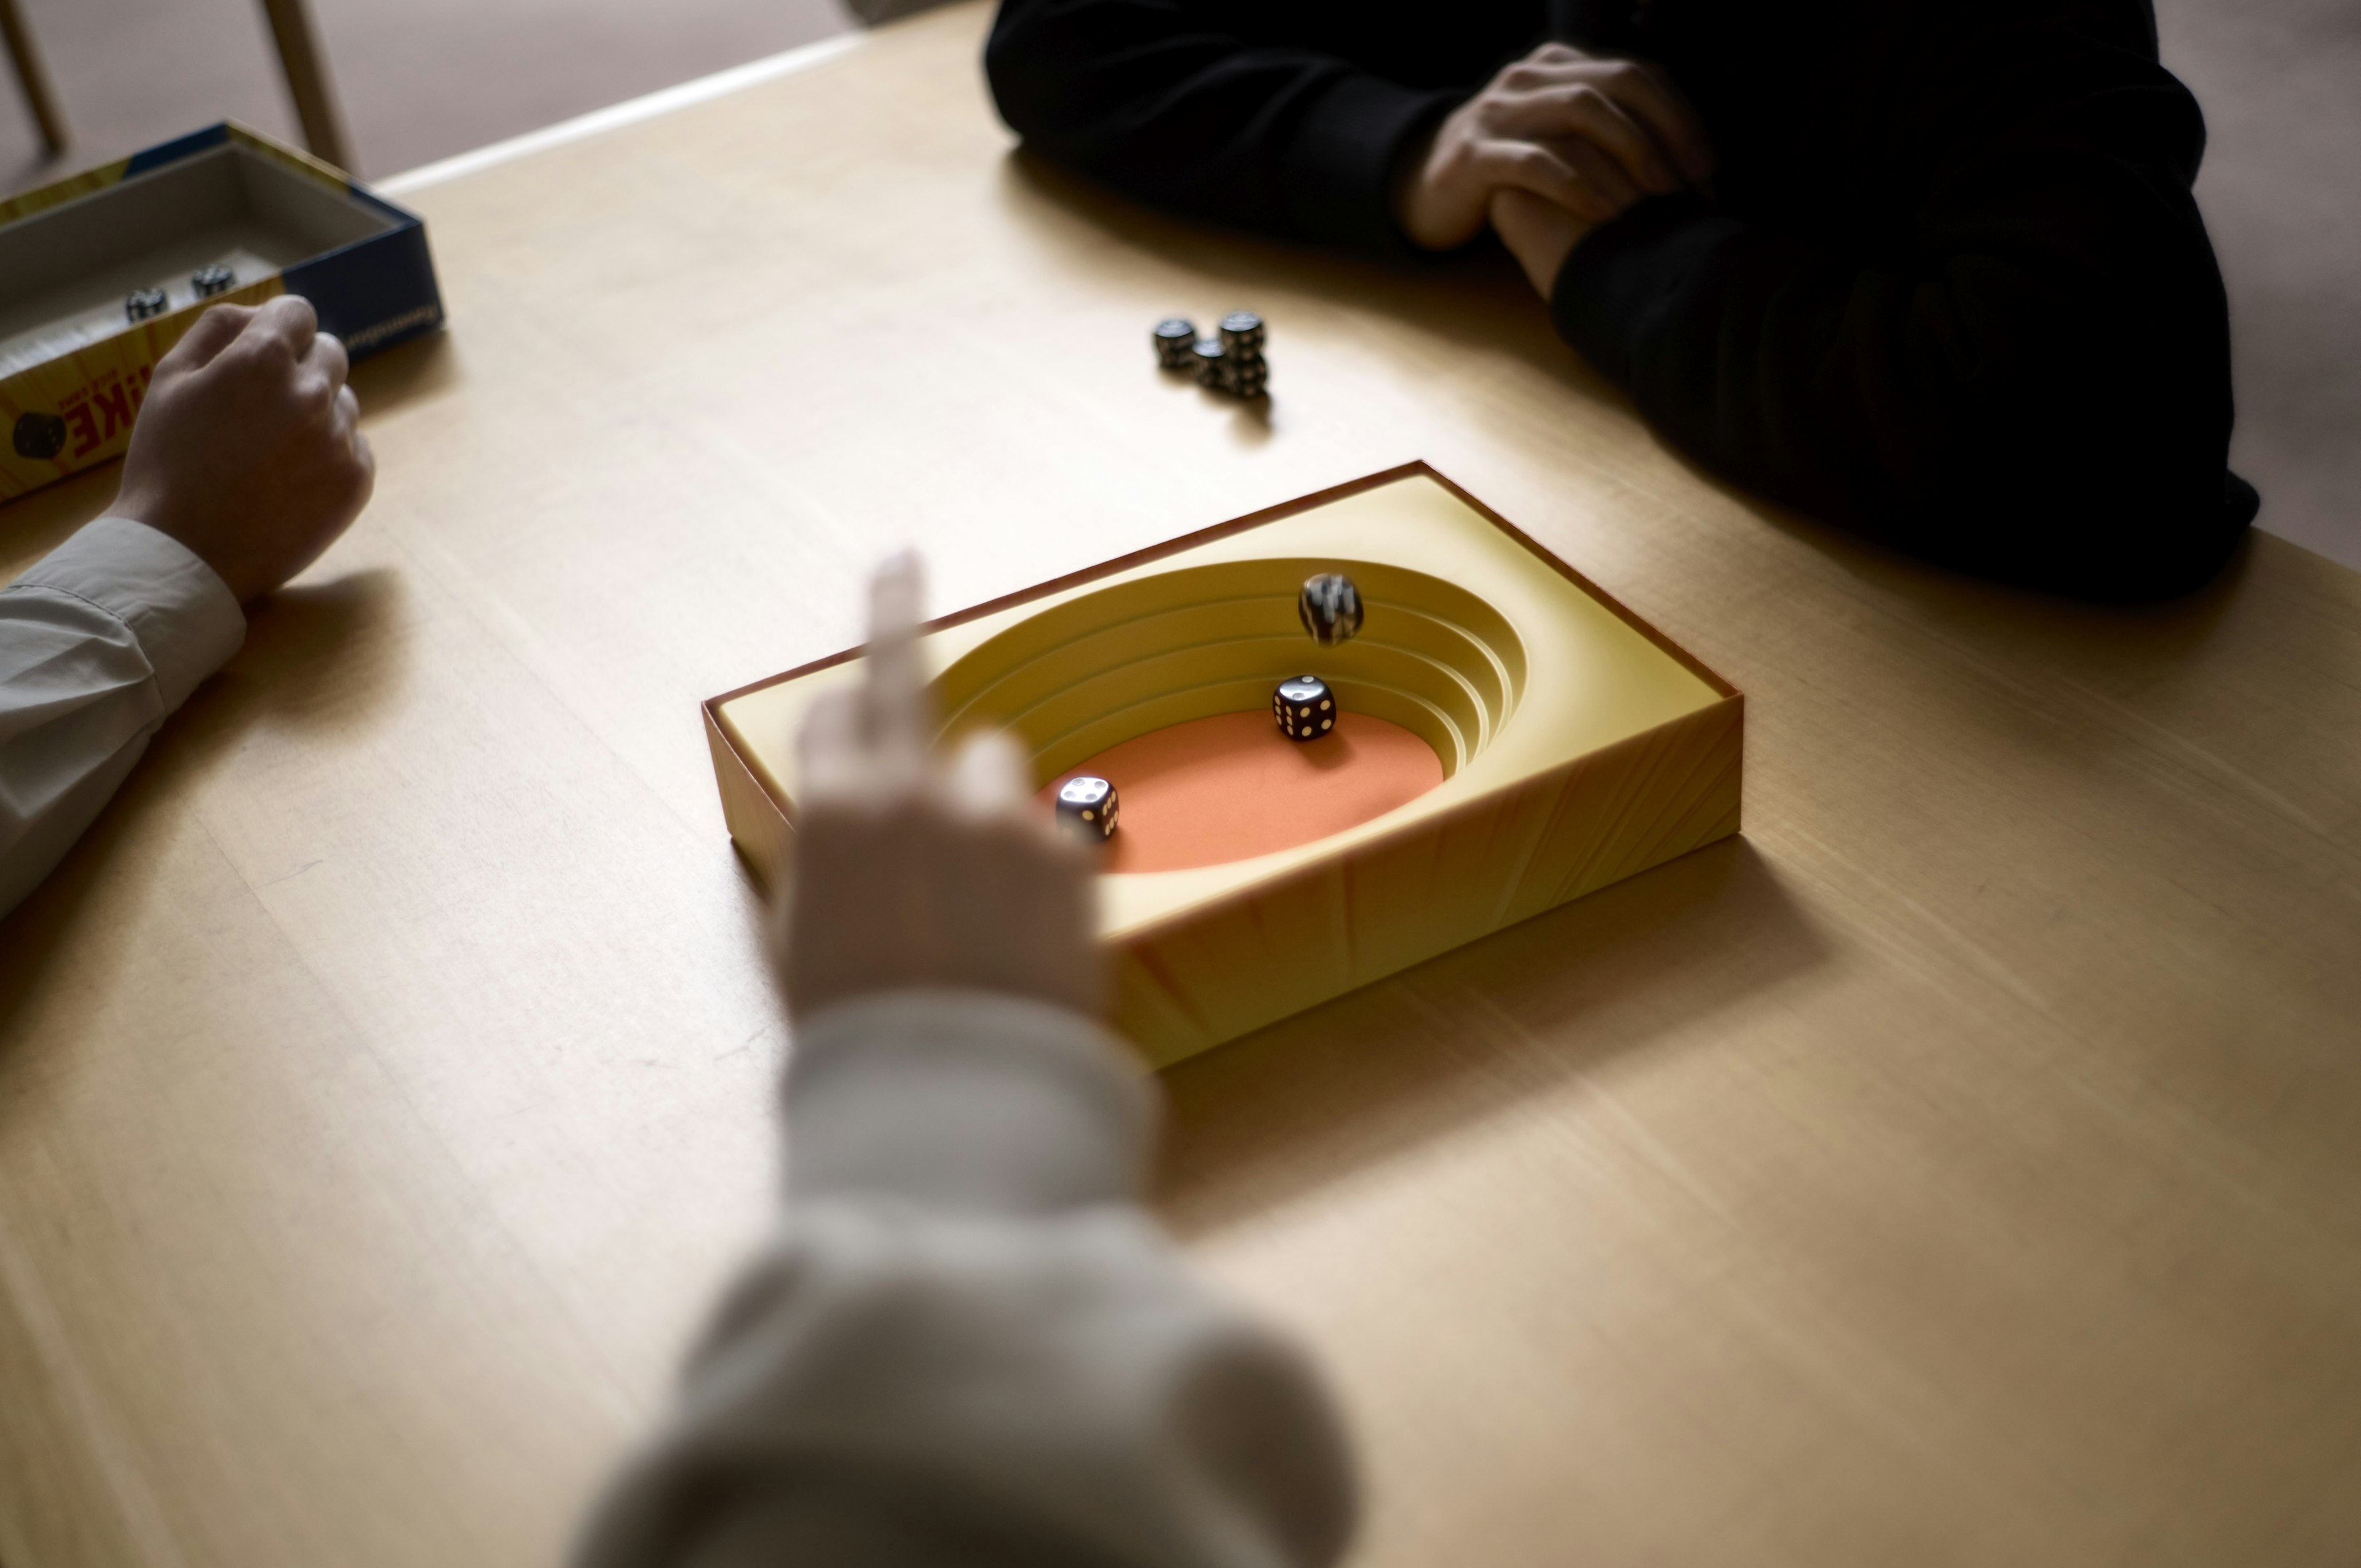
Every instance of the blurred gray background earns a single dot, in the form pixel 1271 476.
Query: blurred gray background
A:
pixel 2280 81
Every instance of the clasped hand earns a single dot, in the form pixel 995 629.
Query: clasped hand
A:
pixel 1557 143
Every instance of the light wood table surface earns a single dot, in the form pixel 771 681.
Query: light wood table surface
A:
pixel 1964 1166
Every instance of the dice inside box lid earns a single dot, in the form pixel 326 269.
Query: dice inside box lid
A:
pixel 1087 804
pixel 1304 707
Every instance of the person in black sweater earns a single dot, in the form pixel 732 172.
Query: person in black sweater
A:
pixel 1930 270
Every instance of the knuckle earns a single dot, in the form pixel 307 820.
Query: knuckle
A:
pixel 259 351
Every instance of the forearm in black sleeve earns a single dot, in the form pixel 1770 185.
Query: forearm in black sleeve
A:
pixel 2034 386
pixel 1170 102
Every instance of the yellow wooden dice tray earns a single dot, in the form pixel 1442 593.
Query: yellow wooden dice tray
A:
pixel 1579 744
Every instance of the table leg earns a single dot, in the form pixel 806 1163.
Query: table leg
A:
pixel 35 76
pixel 307 79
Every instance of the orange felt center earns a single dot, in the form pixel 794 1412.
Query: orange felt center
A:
pixel 1225 788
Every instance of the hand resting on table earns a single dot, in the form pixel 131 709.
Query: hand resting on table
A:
pixel 248 449
pixel 1590 134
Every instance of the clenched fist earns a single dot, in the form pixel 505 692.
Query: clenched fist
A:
pixel 248 448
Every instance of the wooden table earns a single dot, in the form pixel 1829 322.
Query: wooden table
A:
pixel 1962 1167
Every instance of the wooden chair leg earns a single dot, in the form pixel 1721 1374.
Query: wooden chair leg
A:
pixel 35 76
pixel 307 79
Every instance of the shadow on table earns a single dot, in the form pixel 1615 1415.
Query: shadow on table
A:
pixel 1373 1075
pixel 305 666
pixel 2163 628
pixel 419 369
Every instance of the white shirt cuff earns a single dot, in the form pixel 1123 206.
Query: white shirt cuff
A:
pixel 187 622
pixel 966 1100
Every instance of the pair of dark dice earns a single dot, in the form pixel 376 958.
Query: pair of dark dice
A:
pixel 146 305
pixel 1232 363
pixel 1330 607
pixel 1304 707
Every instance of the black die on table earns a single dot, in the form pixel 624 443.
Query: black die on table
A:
pixel 1176 344
pixel 145 305
pixel 1304 707
pixel 207 281
pixel 1087 805
pixel 1242 344
pixel 1213 365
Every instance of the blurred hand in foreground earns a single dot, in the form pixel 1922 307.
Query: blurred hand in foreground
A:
pixel 1590 134
pixel 915 869
pixel 248 448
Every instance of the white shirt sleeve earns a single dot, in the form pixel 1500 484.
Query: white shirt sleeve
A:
pixel 99 643
pixel 969 1345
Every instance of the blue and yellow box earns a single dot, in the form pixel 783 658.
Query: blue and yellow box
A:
pixel 222 215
